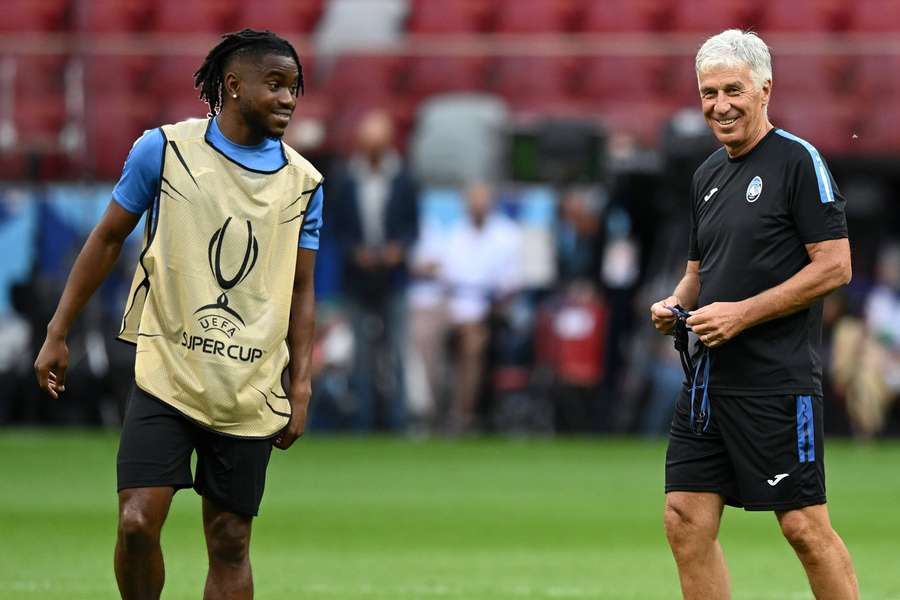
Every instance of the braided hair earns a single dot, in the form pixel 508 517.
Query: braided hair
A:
pixel 210 77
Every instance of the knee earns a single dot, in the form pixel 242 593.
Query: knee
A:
pixel 686 530
pixel 803 534
pixel 137 528
pixel 228 539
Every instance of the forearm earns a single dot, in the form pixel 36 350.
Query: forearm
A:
pixel 688 290
pixel 809 284
pixel 301 332
pixel 91 267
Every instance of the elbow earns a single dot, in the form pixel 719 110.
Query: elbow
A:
pixel 841 273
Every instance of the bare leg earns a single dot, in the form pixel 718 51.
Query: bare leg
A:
pixel 822 552
pixel 228 546
pixel 692 527
pixel 140 572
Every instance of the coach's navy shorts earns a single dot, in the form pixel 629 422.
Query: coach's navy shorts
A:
pixel 759 453
pixel 156 446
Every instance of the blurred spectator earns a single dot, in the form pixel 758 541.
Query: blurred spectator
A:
pixel 571 340
pixel 375 215
pixel 426 359
pixel 481 265
pixel 866 354
pixel 579 243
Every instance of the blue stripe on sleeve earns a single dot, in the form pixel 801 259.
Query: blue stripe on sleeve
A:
pixel 312 224
pixel 826 194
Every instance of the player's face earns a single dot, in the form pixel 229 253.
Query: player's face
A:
pixel 734 108
pixel 269 93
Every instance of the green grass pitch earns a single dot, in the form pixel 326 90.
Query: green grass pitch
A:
pixel 396 519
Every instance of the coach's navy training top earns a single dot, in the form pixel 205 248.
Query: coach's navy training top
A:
pixel 750 219
pixel 140 177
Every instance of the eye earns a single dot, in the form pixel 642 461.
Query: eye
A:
pixel 273 86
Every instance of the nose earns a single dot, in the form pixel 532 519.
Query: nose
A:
pixel 723 104
pixel 287 98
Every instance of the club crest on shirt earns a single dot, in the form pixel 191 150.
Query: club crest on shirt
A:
pixel 754 189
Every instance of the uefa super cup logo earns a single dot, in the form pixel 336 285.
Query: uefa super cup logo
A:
pixel 219 315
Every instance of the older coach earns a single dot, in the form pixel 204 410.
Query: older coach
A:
pixel 768 241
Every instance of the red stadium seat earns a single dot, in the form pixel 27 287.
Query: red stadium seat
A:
pixel 532 16
pixel 796 74
pixel 429 75
pixel 626 77
pixel 35 15
pixel 617 16
pixel 877 16
pixel 879 134
pixel 280 16
pixel 364 74
pixel 682 77
pixel 710 18
pixel 114 16
pixel 113 123
pixel 805 16
pixel 526 80
pixel 38 124
pixel 105 72
pixel 39 75
pixel 878 79
pixel 642 119
pixel 196 16
pixel 444 16
pixel 173 76
pixel 828 124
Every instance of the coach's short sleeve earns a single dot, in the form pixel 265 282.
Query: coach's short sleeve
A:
pixel 816 204
pixel 312 223
pixel 693 247
pixel 140 176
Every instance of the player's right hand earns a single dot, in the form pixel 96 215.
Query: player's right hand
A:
pixel 50 366
pixel 663 318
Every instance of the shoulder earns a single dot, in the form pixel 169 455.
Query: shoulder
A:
pixel 795 150
pixel 148 146
pixel 712 162
pixel 299 162
pixel 185 130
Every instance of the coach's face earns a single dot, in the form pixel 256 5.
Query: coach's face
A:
pixel 734 108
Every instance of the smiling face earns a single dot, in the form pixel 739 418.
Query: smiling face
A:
pixel 267 88
pixel 734 107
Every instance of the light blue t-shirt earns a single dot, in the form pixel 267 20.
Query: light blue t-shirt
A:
pixel 140 177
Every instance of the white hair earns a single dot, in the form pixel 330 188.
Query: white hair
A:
pixel 736 48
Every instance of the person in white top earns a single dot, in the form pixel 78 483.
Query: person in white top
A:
pixel 480 266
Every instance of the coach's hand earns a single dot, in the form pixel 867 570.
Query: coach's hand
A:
pixel 663 318
pixel 299 398
pixel 717 323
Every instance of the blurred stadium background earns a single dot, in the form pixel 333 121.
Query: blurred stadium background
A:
pixel 574 124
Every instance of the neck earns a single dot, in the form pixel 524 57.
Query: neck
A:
pixel 235 129
pixel 734 152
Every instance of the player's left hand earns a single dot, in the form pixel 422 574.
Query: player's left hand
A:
pixel 294 429
pixel 717 323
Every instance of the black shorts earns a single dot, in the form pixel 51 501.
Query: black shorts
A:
pixel 156 446
pixel 759 453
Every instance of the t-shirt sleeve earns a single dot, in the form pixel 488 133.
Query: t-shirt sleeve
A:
pixel 816 204
pixel 139 181
pixel 693 247
pixel 312 224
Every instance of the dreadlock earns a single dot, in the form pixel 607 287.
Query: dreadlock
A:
pixel 210 77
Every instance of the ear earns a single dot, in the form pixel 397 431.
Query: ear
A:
pixel 232 84
pixel 766 91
